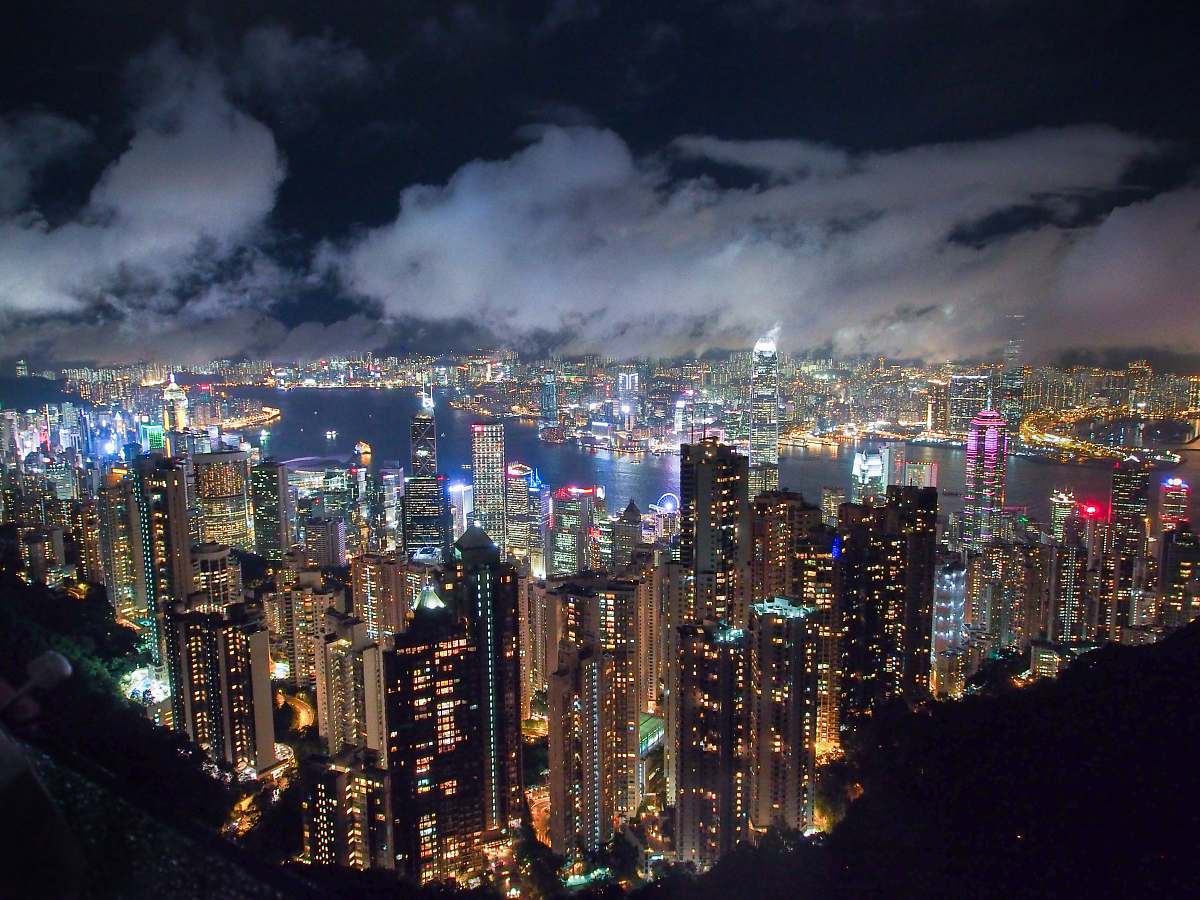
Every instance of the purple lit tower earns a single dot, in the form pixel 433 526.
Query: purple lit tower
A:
pixel 983 495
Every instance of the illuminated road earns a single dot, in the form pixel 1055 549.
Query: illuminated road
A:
pixel 304 714
pixel 539 812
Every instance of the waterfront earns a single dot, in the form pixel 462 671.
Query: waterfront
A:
pixel 381 417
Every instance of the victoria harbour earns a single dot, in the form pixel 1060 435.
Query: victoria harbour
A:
pixel 380 417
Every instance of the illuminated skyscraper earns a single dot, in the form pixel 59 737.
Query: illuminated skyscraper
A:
pixel 627 534
pixel 117 536
pixel 984 480
pixel 483 589
pixel 949 629
pixel 217 574
pixel 1180 578
pixel 221 688
pixel 713 791
pixel 714 532
pixel 1062 509
pixel 487 480
pixel 1174 504
pixel 349 685
pixel 175 407
pixel 831 499
pixel 571 524
pixel 764 417
pixel 516 509
pixel 223 497
pixel 427 515
pixel 423 444
pixel 271 501
pixel 549 404
pixel 1129 522
pixel 325 542
pixel 967 398
pixel 783 645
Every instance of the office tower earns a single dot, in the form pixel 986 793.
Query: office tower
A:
pixel 439 749
pixel 84 521
pixel 427 515
pixel 1068 618
pixel 572 519
pixel 764 417
pixel 984 480
pixel 581 732
pixel 783 644
pixel 644 570
pixel 217 574
pixel 1179 581
pixel 627 534
pixel 349 685
pixel 223 497
pixel 462 505
pixel 549 403
pixel 487 480
pixel 1129 518
pixel 379 591
pixel 484 590
pixel 599 612
pixel 884 597
pixel 1174 504
pixel 118 534
pixel 949 629
pixel 714 530
pixel 22 369
pixel 831 499
pixel 162 559
pixel 175 407
pixel 871 473
pixel 920 473
pixel 1012 381
pixel 152 438
pixel 1062 509
pixel 516 510
pixel 967 398
pixel 345 812
pixel 221 685
pixel 390 509
pixel 325 542
pixel 712 793
pixel 793 557
pixel 938 414
pixel 423 456
pixel 271 502
pixel 296 615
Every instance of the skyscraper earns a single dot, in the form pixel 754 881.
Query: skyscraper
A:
pixel 423 444
pixel 516 509
pixel 949 629
pixel 714 532
pixel 325 541
pixel 549 401
pixel 175 407
pixel 764 417
pixel 223 497
pixel 271 501
pixel 487 480
pixel 783 645
pixel 713 792
pixel 968 397
pixel 427 515
pixel 1129 522
pixel 1062 509
pixel 984 478
pixel 571 522
pixel 217 574
pixel 1174 504
pixel 349 685
pixel 484 590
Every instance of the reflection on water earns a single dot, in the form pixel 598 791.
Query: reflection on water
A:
pixel 381 419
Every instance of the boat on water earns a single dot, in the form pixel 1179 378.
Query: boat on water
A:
pixel 330 435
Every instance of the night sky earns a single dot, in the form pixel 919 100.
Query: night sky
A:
pixel 298 179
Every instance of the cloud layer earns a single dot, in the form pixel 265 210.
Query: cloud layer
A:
pixel 905 253
pixel 575 240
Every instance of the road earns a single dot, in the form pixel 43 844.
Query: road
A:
pixel 304 714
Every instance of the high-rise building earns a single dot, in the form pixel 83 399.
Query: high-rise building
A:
pixel 627 534
pixel 223 497
pixel 162 559
pixel 1179 581
pixel 831 499
pixel 1129 523
pixel 1068 619
pixel 984 480
pixel 117 536
pixel 345 812
pixel 712 800
pixel 884 599
pixel 967 398
pixel 517 510
pixel 427 515
pixel 1062 509
pixel 783 645
pixel 325 542
pixel 549 404
pixel 221 689
pixel 175 407
pixel 1174 504
pixel 487 480
pixel 379 590
pixel 714 533
pixel 270 499
pixel 920 473
pixel 218 575
pixel 764 417
pixel 949 629
pixel 439 748
pixel 349 685
pixel 423 444
pixel 572 519
pixel 484 590
pixel 296 615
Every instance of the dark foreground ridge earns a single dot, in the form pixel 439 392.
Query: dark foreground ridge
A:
pixel 1081 786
